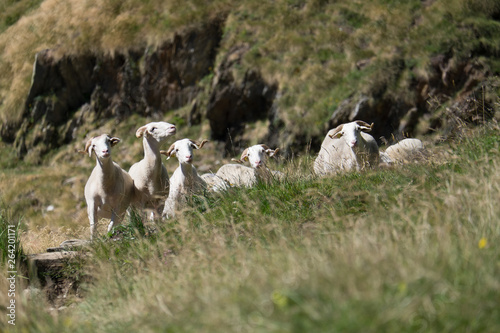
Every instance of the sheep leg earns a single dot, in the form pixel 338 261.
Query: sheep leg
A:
pixel 169 209
pixel 92 213
pixel 113 219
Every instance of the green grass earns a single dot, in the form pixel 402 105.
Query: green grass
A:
pixel 11 11
pixel 10 241
pixel 410 248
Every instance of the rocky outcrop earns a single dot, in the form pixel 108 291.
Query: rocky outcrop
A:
pixel 234 103
pixel 58 271
pixel 448 81
pixel 70 91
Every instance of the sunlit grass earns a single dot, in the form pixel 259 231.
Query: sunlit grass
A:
pixel 407 248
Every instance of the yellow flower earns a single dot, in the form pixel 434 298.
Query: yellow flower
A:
pixel 279 299
pixel 482 243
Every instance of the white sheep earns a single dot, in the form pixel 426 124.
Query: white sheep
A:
pixel 239 175
pixel 150 175
pixel 185 179
pixel 109 189
pixel 347 147
pixel 403 151
pixel 215 183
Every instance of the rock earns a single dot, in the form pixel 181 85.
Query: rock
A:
pixel 102 86
pixel 69 245
pixel 48 265
pixel 233 103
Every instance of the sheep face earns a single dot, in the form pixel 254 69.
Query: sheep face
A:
pixel 351 132
pixel 257 155
pixel 159 131
pixel 101 146
pixel 183 150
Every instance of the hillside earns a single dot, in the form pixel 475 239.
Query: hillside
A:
pixel 237 73
pixel 292 68
pixel 405 248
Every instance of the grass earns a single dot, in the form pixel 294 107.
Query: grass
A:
pixel 10 240
pixel 410 248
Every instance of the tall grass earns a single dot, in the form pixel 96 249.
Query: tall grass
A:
pixel 408 249
pixel 10 236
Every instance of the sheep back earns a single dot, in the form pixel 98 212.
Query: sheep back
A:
pixel 237 175
pixel 335 155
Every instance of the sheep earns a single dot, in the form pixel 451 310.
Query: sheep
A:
pixel 239 175
pixel 215 183
pixel 185 179
pixel 109 189
pixel 403 151
pixel 347 147
pixel 150 175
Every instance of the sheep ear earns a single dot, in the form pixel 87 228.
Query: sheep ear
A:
pixel 244 155
pixel 114 141
pixel 198 145
pixel 140 131
pixel 88 148
pixel 170 152
pixel 365 127
pixel 336 132
pixel 271 152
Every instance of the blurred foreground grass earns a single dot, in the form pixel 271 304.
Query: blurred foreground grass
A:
pixel 409 248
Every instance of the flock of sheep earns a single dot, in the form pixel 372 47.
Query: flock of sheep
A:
pixel 110 190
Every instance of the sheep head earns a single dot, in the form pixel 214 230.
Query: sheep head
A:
pixel 183 150
pixel 351 132
pixel 257 155
pixel 101 146
pixel 159 131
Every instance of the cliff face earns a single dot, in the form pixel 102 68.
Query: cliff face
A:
pixel 69 92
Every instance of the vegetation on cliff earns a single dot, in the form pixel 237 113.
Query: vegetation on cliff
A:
pixel 325 57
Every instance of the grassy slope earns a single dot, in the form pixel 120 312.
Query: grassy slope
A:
pixel 404 249
pixel 309 47
pixel 376 251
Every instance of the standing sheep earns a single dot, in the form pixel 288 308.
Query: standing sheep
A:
pixel 185 179
pixel 347 147
pixel 109 189
pixel 150 175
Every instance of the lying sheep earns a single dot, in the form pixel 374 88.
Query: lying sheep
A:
pixel 215 183
pixel 403 151
pixel 239 175
pixel 347 147
pixel 109 189
pixel 185 179
pixel 150 175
